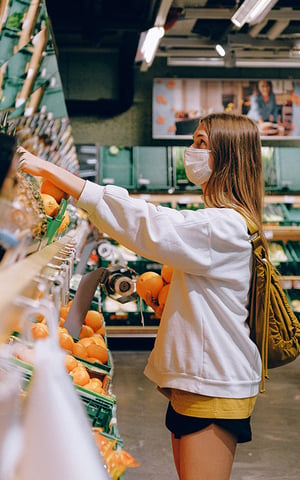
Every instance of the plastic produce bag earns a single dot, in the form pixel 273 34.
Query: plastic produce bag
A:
pixel 58 438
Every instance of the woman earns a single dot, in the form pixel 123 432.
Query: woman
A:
pixel 263 103
pixel 203 358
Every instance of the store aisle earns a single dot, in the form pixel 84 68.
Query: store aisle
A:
pixel 272 455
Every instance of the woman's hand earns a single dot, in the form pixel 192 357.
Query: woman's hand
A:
pixel 67 181
pixel 29 163
pixel 158 309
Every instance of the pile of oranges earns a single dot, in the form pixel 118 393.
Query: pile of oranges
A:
pixel 90 346
pixel 82 377
pixel 156 285
pixel 52 196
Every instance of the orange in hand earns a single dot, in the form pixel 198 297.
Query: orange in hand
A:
pixel 149 282
pixel 162 296
pixel 51 189
pixel 166 273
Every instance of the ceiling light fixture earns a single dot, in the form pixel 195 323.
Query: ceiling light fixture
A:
pixel 150 43
pixel 252 12
pixel 220 62
pixel 220 50
pixel 150 39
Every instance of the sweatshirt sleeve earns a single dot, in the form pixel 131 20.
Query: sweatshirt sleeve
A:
pixel 165 235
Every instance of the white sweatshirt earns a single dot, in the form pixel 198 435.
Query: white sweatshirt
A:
pixel 203 343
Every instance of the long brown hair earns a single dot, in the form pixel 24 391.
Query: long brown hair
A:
pixel 237 178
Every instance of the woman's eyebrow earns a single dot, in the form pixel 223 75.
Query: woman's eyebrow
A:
pixel 201 134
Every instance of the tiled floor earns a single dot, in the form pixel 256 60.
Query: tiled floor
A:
pixel 273 454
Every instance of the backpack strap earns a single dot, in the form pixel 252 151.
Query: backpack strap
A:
pixel 266 318
pixel 256 243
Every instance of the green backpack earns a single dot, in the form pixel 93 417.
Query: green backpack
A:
pixel 273 325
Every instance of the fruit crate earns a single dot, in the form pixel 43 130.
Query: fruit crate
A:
pixel 96 366
pixel 291 215
pixel 294 249
pixel 130 319
pixel 99 409
pixel 293 296
pixel 281 258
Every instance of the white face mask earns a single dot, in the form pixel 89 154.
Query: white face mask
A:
pixel 196 165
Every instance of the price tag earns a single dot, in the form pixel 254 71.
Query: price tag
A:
pixel 289 199
pixel 146 197
pixel 184 199
pixel 269 234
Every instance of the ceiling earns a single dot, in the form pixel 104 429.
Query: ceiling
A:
pixel 192 29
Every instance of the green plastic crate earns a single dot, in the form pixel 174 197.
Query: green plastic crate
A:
pixel 99 409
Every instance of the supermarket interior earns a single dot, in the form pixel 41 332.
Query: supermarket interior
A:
pixel 78 89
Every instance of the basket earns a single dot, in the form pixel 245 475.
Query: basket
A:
pixel 54 223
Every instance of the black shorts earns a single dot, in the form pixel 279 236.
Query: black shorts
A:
pixel 181 425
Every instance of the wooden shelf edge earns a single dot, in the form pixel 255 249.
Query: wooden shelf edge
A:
pixel 131 331
pixel 16 277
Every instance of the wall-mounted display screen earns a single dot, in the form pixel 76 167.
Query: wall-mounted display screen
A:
pixel 178 105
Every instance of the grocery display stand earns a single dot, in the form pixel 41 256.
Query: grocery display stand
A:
pixel 18 281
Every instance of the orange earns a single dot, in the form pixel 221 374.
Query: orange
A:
pixel 50 204
pixel 86 331
pixel 61 321
pixel 162 296
pixel 80 375
pixel 62 329
pixel 95 385
pixel 39 330
pixel 101 331
pixel 99 340
pixel 71 362
pixel 79 350
pixel 66 341
pixel 64 223
pixel 63 311
pixel 149 282
pixel 86 341
pixel 166 273
pixel 96 381
pixel 40 317
pixel 51 189
pixel 99 352
pixel 94 319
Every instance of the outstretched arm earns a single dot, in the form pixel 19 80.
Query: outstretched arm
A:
pixel 63 179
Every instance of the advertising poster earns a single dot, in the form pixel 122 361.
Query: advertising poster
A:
pixel 178 105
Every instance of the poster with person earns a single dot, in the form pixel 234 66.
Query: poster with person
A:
pixel 178 104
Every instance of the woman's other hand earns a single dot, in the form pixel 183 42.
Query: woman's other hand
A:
pixel 29 163
pixel 158 309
